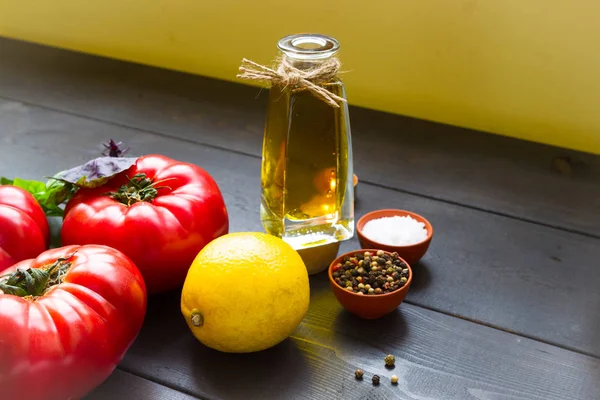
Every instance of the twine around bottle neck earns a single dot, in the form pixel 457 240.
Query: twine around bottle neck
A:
pixel 288 75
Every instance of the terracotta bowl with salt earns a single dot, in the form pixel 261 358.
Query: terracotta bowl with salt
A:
pixel 400 231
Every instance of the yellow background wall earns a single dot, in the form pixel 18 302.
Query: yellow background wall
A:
pixel 523 68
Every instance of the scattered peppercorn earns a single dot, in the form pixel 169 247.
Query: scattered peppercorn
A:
pixel 358 373
pixel 375 379
pixel 370 274
pixel 390 360
pixel 394 380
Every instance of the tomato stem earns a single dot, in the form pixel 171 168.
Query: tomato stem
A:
pixel 35 281
pixel 138 188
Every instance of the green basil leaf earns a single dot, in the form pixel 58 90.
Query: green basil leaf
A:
pixel 49 195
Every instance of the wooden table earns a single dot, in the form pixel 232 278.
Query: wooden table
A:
pixel 505 305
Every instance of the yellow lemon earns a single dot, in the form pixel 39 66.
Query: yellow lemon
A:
pixel 245 292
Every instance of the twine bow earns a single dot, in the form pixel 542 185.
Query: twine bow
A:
pixel 288 75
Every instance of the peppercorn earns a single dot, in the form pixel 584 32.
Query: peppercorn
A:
pixel 366 273
pixel 390 360
pixel 375 379
pixel 394 380
pixel 358 373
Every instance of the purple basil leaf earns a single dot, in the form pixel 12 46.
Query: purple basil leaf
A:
pixel 96 172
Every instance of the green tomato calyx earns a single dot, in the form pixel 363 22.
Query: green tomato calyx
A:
pixel 35 282
pixel 138 188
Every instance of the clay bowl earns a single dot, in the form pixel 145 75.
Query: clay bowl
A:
pixel 411 253
pixel 368 306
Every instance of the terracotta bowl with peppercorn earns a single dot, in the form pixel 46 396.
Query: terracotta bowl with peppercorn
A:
pixel 400 231
pixel 370 283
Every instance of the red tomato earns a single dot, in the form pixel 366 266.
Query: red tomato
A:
pixel 160 213
pixel 63 340
pixel 24 231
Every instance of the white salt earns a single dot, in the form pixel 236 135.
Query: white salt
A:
pixel 395 231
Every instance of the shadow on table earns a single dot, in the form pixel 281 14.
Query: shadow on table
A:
pixel 421 276
pixel 390 328
pixel 270 374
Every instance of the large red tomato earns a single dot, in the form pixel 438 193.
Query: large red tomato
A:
pixel 24 229
pixel 73 313
pixel 160 213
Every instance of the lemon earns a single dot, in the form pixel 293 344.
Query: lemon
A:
pixel 245 292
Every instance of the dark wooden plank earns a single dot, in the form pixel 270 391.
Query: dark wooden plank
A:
pixel 437 357
pixel 489 172
pixel 523 277
pixel 125 386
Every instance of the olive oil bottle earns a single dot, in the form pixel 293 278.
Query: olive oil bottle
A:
pixel 307 171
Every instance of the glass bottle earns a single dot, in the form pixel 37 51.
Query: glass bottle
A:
pixel 307 169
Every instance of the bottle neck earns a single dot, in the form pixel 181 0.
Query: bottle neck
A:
pixel 305 64
pixel 307 51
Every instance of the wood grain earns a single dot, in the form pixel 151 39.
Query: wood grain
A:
pixel 125 386
pixel 518 276
pixel 437 357
pixel 539 183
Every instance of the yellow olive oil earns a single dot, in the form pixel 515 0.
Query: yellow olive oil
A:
pixel 306 177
